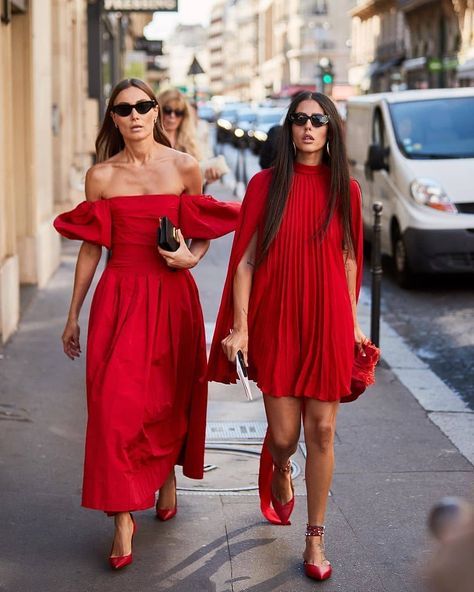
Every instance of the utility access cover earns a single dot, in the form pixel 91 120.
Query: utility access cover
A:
pixel 231 460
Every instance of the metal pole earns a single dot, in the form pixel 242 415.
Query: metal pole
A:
pixel 376 270
pixel 237 172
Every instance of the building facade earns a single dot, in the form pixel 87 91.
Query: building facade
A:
pixel 272 47
pixel 45 139
pixel 398 44
pixel 58 63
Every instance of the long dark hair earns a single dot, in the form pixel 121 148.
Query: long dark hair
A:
pixel 109 139
pixel 280 185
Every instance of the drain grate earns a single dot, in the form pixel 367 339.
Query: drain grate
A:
pixel 225 431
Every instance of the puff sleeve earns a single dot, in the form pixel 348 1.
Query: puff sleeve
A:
pixel 89 221
pixel 203 217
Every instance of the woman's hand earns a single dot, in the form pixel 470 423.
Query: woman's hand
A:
pixel 211 174
pixel 70 339
pixel 182 258
pixel 360 338
pixel 237 339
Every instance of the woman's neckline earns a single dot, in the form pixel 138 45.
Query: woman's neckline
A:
pixel 142 195
pixel 309 169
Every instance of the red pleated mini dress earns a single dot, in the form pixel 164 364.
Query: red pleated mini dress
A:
pixel 301 329
pixel 146 351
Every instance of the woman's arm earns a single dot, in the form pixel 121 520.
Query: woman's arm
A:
pixel 87 261
pixel 185 258
pixel 242 286
pixel 350 265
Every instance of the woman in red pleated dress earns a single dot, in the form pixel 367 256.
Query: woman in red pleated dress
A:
pixel 289 305
pixel 146 351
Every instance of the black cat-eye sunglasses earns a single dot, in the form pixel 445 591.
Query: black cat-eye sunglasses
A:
pixel 124 109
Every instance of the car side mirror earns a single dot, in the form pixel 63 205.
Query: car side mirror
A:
pixel 377 158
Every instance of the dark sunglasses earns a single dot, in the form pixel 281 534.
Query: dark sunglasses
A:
pixel 177 112
pixel 317 119
pixel 124 109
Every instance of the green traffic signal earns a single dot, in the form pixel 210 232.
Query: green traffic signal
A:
pixel 327 78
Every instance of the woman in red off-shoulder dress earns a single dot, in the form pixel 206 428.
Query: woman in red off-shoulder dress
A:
pixel 289 305
pixel 146 352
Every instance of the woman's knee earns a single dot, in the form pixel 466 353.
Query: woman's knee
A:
pixel 284 444
pixel 320 435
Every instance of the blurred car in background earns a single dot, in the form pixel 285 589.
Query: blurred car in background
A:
pixel 266 118
pixel 245 123
pixel 413 151
pixel 207 113
pixel 225 122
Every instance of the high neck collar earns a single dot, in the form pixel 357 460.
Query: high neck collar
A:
pixel 309 169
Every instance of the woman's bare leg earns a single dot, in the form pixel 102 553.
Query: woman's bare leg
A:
pixel 122 544
pixel 284 422
pixel 319 420
pixel 167 495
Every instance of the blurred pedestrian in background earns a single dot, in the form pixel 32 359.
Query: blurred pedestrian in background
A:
pixel 179 123
pixel 451 566
pixel 146 349
pixel 289 305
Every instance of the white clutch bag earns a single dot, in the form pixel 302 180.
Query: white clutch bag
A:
pixel 217 162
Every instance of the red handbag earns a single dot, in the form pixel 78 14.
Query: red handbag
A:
pixel 363 370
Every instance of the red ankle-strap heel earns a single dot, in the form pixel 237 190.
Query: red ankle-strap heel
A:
pixel 317 572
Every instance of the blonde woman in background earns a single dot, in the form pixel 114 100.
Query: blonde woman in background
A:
pixel 180 127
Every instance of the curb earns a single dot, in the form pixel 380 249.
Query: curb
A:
pixel 444 407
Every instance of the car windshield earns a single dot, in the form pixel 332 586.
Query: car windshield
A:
pixel 437 128
pixel 270 117
pixel 247 116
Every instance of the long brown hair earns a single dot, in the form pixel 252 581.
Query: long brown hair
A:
pixel 109 139
pixel 280 185
pixel 186 136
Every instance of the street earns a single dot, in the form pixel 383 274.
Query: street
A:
pixel 393 464
pixel 436 319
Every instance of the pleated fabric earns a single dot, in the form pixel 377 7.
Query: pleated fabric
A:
pixel 146 350
pixel 301 330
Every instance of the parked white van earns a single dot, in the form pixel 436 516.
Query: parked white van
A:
pixel 414 152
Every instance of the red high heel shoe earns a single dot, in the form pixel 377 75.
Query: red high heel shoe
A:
pixel 317 572
pixel 168 513
pixel 283 511
pixel 123 560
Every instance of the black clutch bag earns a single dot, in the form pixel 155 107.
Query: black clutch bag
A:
pixel 167 235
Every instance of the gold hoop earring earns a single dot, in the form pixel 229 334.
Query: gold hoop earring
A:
pixel 327 149
pixel 294 148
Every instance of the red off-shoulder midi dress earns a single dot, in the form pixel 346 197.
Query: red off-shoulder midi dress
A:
pixel 301 329
pixel 146 351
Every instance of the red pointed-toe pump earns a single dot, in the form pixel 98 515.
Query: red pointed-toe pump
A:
pixel 123 560
pixel 317 572
pixel 284 511
pixel 165 514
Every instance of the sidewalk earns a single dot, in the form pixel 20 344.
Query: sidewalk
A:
pixel 392 464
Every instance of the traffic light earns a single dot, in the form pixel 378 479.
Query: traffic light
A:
pixel 327 75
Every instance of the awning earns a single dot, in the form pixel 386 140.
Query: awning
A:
pixel 414 63
pixel 386 66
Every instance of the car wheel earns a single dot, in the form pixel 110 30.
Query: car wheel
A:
pixel 403 274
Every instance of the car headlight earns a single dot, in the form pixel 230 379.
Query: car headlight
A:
pixel 430 193
pixel 224 123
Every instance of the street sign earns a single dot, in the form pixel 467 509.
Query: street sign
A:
pixel 152 47
pixel 141 5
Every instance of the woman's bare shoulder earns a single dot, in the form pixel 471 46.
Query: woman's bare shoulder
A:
pixel 185 162
pixel 97 179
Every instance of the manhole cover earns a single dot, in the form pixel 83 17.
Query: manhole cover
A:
pixel 231 470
